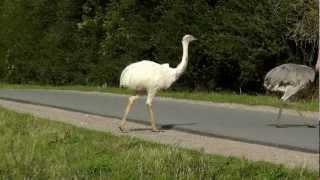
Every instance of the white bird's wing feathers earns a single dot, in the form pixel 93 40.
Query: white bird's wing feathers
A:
pixel 166 65
pixel 147 75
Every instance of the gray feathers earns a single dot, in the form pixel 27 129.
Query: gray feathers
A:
pixel 289 75
pixel 289 79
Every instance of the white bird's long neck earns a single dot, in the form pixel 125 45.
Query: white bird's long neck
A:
pixel 184 62
pixel 318 61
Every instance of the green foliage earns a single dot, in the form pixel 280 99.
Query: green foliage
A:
pixel 91 41
pixel 303 28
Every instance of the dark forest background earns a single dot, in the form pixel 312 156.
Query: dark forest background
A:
pixel 89 42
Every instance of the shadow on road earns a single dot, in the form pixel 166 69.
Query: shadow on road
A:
pixel 292 126
pixel 171 126
pixel 164 127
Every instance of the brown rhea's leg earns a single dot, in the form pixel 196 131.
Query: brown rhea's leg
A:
pixel 279 114
pixel 290 91
pixel 307 121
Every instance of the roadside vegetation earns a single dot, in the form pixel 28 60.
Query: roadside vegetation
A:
pixel 36 148
pixel 217 97
pixel 89 42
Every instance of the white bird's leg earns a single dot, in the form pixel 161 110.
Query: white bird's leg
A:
pixel 151 114
pixel 307 121
pixel 128 108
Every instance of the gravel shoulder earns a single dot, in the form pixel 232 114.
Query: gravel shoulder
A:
pixel 205 144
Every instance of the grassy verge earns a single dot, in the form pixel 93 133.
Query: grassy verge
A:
pixel 35 148
pixel 311 105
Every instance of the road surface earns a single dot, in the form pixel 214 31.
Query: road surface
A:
pixel 247 125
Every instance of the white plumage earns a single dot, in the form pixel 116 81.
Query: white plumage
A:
pixel 146 74
pixel 147 77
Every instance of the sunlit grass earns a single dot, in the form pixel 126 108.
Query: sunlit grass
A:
pixel 218 97
pixel 36 148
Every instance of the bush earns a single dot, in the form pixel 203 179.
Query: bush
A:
pixel 91 41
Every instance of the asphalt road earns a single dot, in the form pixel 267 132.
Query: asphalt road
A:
pixel 255 126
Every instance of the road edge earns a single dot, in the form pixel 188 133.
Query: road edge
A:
pixel 211 145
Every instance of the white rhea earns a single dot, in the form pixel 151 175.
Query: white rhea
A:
pixel 148 77
pixel 290 79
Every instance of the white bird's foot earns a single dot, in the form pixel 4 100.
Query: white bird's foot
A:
pixel 122 129
pixel 279 126
pixel 156 130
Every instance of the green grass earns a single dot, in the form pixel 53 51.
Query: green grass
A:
pixel 35 148
pixel 219 97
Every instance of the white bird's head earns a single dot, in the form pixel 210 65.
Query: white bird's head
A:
pixel 188 38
